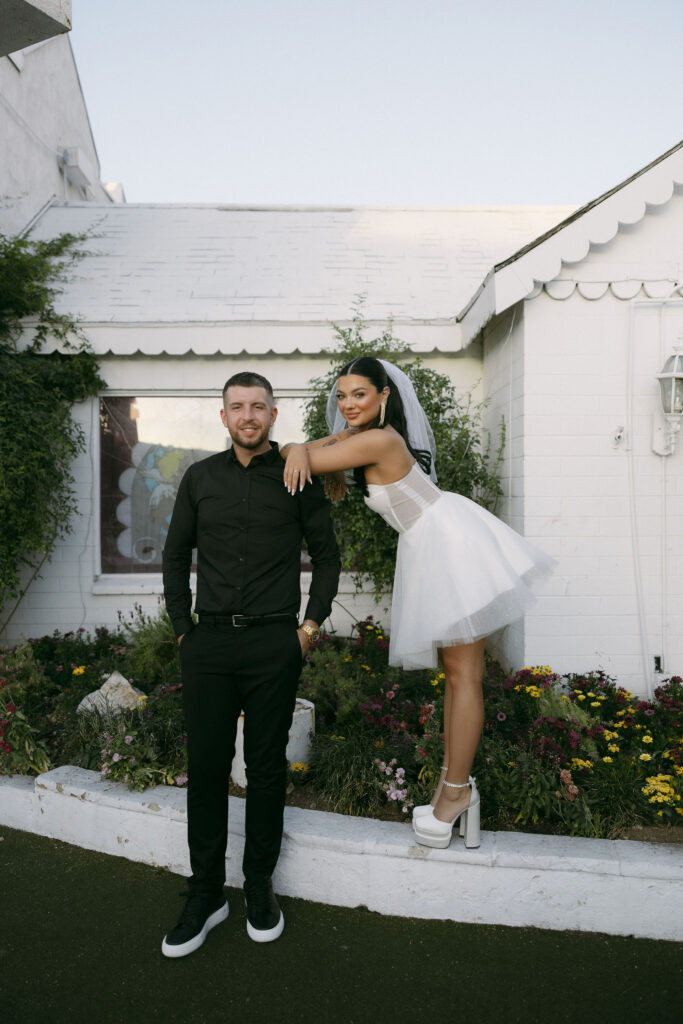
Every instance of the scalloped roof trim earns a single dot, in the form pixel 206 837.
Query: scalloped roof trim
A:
pixel 562 289
pixel 569 242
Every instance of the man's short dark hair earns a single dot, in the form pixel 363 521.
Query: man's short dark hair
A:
pixel 247 379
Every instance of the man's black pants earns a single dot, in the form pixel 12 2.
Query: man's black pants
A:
pixel 254 669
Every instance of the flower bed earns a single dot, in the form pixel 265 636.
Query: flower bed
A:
pixel 573 755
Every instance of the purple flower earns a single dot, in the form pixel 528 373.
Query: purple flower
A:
pixel 501 716
pixel 116 757
pixel 649 711
pixel 181 780
pixel 128 740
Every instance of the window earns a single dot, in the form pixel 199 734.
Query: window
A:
pixel 146 444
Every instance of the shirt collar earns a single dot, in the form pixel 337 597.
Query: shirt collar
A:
pixel 266 458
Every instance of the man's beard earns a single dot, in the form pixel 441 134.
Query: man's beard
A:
pixel 251 440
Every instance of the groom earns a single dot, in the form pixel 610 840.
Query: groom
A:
pixel 246 651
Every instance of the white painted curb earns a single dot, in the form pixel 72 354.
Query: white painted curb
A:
pixel 619 887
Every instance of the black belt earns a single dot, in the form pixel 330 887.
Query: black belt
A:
pixel 241 621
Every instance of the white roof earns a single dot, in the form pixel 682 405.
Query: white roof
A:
pixel 569 242
pixel 160 265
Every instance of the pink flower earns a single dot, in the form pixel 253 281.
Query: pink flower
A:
pixel 116 757
pixel 566 776
pixel 501 716
pixel 128 740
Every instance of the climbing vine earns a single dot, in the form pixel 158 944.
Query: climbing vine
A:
pixel 39 438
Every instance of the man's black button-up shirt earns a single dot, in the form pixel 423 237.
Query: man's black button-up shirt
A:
pixel 248 531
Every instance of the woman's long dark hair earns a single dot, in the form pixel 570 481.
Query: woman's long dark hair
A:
pixel 394 416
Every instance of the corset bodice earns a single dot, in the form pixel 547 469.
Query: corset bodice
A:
pixel 402 503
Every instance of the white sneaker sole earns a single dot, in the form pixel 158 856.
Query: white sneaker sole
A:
pixel 185 948
pixel 267 934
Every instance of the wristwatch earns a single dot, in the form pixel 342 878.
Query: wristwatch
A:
pixel 312 632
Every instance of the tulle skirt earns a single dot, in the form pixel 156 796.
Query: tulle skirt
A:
pixel 461 574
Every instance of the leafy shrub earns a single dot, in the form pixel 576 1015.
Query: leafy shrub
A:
pixel 577 755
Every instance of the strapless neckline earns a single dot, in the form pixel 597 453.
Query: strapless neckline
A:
pixel 392 483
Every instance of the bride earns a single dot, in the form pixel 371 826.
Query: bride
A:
pixel 461 573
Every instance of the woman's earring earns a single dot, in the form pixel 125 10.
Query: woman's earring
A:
pixel 382 410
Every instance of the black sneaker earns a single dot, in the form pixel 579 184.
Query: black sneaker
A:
pixel 201 913
pixel 265 921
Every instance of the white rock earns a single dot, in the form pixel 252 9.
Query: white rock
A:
pixel 115 694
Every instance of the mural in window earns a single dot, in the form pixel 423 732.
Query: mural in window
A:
pixel 146 444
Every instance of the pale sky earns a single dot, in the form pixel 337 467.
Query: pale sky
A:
pixel 378 102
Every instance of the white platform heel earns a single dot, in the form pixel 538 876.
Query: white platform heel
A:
pixel 431 831
pixel 422 809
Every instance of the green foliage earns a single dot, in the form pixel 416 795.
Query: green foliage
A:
pixel 21 749
pixel 576 755
pixel 145 746
pixel 464 463
pixel 345 771
pixel 38 436
pixel 152 649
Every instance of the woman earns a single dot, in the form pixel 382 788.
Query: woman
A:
pixel 460 572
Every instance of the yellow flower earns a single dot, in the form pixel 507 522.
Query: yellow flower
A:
pixel 380 637
pixel 610 735
pixel 533 691
pixel 366 667
pixel 589 694
pixel 299 766
pixel 622 712
pixel 647 739
pixel 511 764
pixel 79 670
pixel 607 760
pixel 645 757
pixel 613 748
pixel 578 762
pixel 679 769
pixel 143 696
pixel 581 697
pixel 349 658
pixel 595 703
pixel 679 810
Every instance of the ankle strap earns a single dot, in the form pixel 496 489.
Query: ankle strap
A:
pixel 457 785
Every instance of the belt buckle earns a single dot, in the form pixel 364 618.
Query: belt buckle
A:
pixel 238 625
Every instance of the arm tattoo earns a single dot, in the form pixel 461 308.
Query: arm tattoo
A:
pixel 332 440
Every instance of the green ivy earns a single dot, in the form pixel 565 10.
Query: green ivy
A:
pixel 38 436
pixel 464 463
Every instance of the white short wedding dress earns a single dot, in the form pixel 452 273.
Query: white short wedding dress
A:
pixel 461 573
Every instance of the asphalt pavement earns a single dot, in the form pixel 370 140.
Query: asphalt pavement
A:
pixel 80 937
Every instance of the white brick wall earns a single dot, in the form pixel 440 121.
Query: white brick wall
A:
pixel 576 489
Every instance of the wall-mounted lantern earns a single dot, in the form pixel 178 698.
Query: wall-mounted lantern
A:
pixel 667 421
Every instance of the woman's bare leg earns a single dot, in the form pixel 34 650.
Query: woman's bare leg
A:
pixel 463 722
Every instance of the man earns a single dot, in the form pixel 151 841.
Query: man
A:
pixel 246 652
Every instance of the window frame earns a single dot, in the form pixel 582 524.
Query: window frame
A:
pixel 114 583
